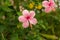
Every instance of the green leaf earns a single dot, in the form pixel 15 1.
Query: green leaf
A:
pixel 14 37
pixel 49 36
pixel 7 3
pixel 19 13
pixel 2 28
pixel 43 26
pixel 6 8
pixel 41 38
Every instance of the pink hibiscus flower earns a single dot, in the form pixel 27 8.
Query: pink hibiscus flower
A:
pixel 27 18
pixel 49 5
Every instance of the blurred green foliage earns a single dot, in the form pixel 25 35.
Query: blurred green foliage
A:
pixel 47 28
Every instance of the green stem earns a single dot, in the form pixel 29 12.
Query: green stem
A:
pixel 53 30
pixel 2 36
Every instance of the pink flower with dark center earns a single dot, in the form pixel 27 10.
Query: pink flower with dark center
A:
pixel 49 5
pixel 27 18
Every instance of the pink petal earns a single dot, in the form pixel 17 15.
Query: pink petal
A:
pixel 33 21
pixel 53 3
pixel 45 4
pixel 25 13
pixel 32 14
pixel 51 0
pixel 25 24
pixel 47 10
pixel 22 19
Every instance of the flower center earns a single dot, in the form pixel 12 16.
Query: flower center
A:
pixel 28 17
pixel 50 4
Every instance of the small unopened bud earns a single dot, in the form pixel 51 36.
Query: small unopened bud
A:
pixel 21 8
pixel 3 17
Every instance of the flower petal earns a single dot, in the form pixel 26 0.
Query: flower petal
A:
pixel 48 9
pixel 51 0
pixel 22 19
pixel 25 13
pixel 45 4
pixel 53 3
pixel 32 14
pixel 25 24
pixel 33 21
